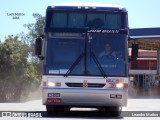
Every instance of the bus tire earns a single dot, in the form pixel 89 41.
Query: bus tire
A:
pixel 52 109
pixel 114 110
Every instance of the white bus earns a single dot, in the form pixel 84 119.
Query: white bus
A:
pixel 85 54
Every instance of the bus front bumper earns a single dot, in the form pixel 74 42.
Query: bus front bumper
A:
pixel 84 97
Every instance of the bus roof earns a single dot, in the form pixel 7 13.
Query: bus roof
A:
pixel 97 6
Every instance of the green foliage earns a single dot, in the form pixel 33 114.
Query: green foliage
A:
pixel 20 69
pixel 35 29
pixel 17 73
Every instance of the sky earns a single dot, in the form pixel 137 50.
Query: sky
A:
pixel 141 13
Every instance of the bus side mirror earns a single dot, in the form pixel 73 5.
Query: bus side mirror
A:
pixel 134 51
pixel 38 47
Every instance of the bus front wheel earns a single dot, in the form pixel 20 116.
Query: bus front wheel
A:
pixel 51 109
pixel 114 110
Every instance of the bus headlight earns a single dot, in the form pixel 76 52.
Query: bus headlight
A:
pixel 53 84
pixel 119 85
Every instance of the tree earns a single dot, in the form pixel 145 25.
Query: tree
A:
pixel 20 69
pixel 35 30
pixel 17 73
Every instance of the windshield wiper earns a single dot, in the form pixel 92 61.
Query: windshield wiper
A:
pixel 74 64
pixel 98 64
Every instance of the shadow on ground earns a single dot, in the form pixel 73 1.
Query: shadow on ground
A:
pixel 78 115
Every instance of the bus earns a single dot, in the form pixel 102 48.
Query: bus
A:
pixel 85 57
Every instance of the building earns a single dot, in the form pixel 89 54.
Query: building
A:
pixel 147 66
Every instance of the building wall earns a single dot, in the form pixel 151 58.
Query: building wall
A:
pixel 143 65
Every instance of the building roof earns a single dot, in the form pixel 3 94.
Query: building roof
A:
pixel 144 32
pixel 147 38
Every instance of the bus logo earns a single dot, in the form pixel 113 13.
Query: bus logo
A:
pixel 85 84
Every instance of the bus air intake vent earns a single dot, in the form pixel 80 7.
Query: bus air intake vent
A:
pixel 90 85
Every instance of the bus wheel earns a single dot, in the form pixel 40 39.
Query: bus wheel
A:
pixel 52 109
pixel 114 110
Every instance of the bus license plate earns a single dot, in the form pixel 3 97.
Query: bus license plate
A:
pixel 54 95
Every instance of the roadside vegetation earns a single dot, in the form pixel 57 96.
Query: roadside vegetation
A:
pixel 20 69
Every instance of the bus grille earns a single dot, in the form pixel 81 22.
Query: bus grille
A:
pixel 90 85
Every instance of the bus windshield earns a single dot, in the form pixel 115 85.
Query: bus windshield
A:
pixel 90 20
pixel 104 54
